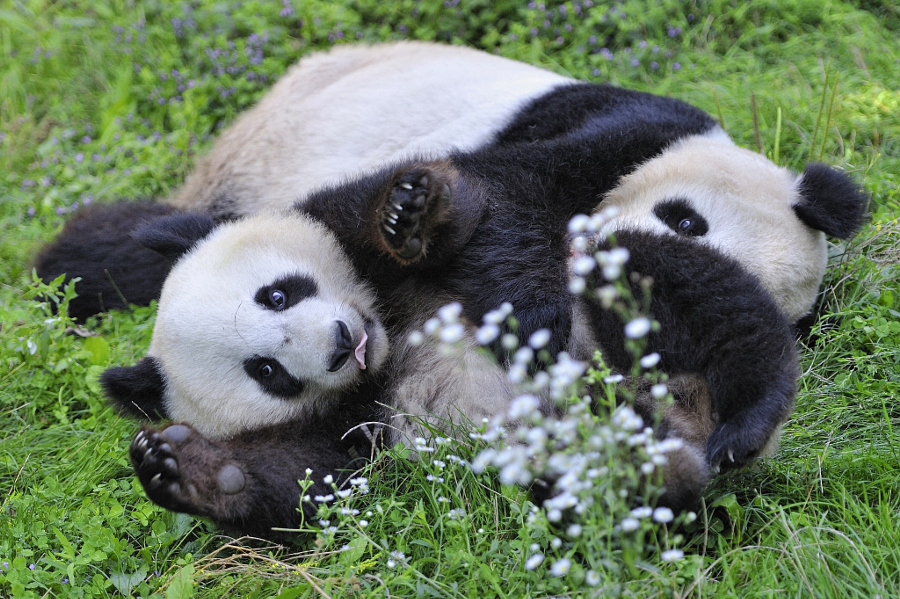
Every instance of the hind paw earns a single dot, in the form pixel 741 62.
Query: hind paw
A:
pixel 415 205
pixel 181 471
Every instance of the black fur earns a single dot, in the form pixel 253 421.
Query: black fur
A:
pixel 97 246
pixel 716 321
pixel 136 390
pixel 830 201
pixel 178 235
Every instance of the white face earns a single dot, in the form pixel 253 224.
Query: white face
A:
pixel 264 321
pixel 745 202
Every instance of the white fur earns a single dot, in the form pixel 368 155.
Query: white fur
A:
pixel 747 201
pixel 337 114
pixel 208 323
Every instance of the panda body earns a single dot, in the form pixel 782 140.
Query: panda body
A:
pixel 476 238
pixel 354 109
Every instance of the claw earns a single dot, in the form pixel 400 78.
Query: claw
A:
pixel 731 455
pixel 406 185
pixel 389 230
pixel 397 207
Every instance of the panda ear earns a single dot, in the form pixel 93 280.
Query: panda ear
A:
pixel 172 236
pixel 830 201
pixel 137 390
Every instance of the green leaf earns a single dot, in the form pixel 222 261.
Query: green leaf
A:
pixel 99 350
pixel 182 584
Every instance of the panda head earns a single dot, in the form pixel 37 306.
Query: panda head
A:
pixel 260 322
pixel 769 219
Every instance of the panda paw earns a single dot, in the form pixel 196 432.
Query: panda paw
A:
pixel 171 467
pixel 416 204
pixel 733 446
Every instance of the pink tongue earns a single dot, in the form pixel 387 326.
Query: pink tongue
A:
pixel 360 352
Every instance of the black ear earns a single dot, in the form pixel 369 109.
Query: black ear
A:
pixel 174 235
pixel 137 390
pixel 830 201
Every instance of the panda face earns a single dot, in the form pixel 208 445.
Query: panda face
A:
pixel 261 323
pixel 707 188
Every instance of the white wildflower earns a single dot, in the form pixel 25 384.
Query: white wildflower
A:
pixel 637 328
pixel 539 338
pixel 523 355
pixel 509 341
pixel 642 512
pixel 659 391
pixel 487 333
pixel 561 567
pixel 431 326
pixel 613 379
pixel 452 333
pixel 630 524
pixel 650 360
pixel 583 265
pixel 416 338
pixel 450 313
pixel 663 515
pixel 534 561
pixel 672 555
pixel 579 223
pixel 522 406
pixel 577 285
pixel 592 578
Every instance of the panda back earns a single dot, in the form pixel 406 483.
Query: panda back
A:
pixel 338 114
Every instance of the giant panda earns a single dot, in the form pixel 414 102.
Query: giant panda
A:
pixel 355 108
pixel 265 324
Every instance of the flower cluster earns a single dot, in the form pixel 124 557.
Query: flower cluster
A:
pixel 598 460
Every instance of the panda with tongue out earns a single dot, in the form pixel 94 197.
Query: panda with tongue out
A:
pixel 226 353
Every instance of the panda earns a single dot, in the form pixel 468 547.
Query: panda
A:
pixel 276 321
pixel 356 108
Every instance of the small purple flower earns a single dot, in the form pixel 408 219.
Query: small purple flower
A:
pixel 676 66
pixel 31 566
pixel 79 157
pixel 654 65
pixel 635 62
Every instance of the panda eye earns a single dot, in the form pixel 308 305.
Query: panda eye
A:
pixel 286 292
pixel 277 299
pixel 272 377
pixel 680 216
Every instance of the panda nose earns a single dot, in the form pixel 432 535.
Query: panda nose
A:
pixel 343 344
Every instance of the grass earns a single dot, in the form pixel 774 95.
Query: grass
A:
pixel 119 98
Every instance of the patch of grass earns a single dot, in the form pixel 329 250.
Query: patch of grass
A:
pixel 117 99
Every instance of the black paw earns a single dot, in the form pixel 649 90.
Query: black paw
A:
pixel 732 445
pixel 155 462
pixel 413 207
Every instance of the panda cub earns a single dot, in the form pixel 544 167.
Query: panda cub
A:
pixel 270 325
pixel 335 115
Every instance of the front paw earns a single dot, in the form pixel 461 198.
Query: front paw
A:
pixel 733 444
pixel 416 204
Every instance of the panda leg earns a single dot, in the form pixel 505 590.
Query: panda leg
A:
pixel 248 483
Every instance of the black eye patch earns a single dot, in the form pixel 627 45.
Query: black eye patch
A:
pixel 273 377
pixel 286 292
pixel 681 218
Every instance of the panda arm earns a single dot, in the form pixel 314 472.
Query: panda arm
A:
pixel 715 320
pixel 248 483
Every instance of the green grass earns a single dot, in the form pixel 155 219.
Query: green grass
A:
pixel 92 108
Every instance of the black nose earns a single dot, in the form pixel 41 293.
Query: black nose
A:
pixel 343 347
